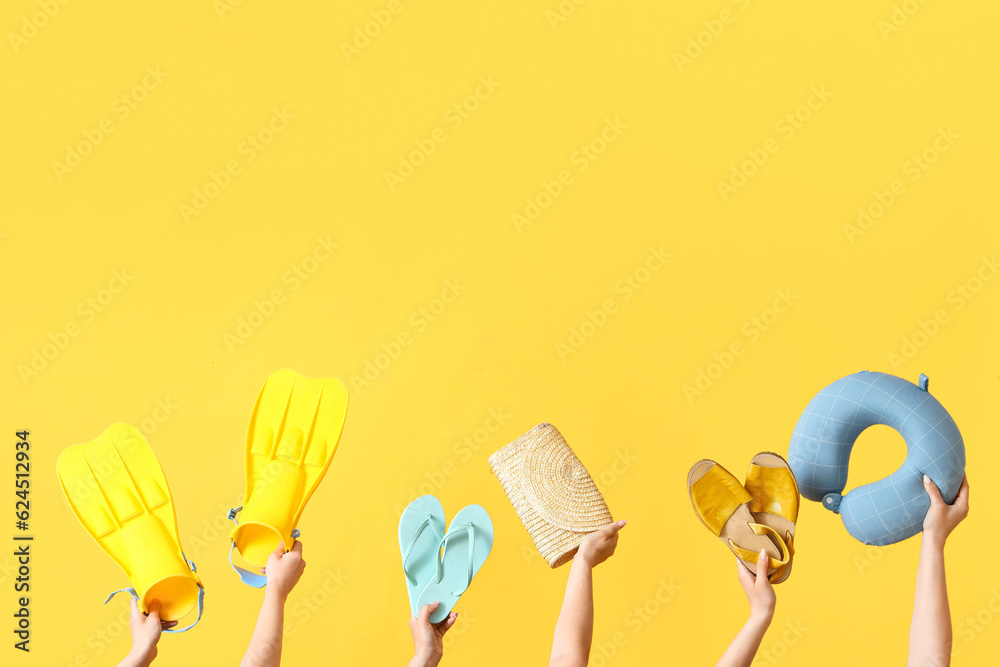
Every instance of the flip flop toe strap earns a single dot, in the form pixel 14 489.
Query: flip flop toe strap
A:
pixel 424 525
pixel 470 530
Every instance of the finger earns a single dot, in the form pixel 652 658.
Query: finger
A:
pixel 297 547
pixel 963 491
pixel 166 625
pixel 133 608
pixel 613 528
pixel 449 620
pixel 743 574
pixel 762 562
pixel 425 613
pixel 280 550
pixel 446 624
pixel 154 611
pixel 933 492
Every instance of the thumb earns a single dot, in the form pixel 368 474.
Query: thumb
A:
pixel 933 491
pixel 154 611
pixel 280 550
pixel 614 527
pixel 425 613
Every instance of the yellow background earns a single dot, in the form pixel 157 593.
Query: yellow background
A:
pixel 619 397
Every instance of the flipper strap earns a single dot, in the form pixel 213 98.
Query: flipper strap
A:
pixel 201 601
pixel 249 578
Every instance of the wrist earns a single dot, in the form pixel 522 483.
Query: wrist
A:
pixel 275 596
pixel 582 560
pixel 761 616
pixel 138 657
pixel 426 658
pixel 932 541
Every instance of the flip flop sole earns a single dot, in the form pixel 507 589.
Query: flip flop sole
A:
pixel 422 562
pixel 455 561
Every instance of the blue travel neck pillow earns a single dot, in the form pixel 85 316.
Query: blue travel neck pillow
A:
pixel 891 509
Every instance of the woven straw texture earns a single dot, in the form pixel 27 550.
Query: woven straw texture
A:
pixel 554 495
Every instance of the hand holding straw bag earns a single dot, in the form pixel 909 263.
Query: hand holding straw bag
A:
pixel 553 494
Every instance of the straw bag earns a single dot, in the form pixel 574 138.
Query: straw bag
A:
pixel 555 497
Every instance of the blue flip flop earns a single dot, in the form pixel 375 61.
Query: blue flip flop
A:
pixel 465 547
pixel 421 528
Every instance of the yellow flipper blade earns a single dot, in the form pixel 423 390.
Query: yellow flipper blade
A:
pixel 116 489
pixel 293 434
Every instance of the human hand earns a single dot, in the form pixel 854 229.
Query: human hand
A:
pixel 428 638
pixel 600 545
pixel 146 631
pixel 942 518
pixel 283 570
pixel 758 589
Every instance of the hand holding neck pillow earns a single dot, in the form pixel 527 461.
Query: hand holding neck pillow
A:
pixel 893 508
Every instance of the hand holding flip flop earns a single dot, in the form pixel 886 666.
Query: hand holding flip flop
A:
pixel 439 565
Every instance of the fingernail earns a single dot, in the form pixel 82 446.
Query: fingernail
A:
pixel 763 553
pixel 622 522
pixel 927 480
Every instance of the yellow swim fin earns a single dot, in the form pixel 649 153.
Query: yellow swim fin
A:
pixel 117 490
pixel 293 433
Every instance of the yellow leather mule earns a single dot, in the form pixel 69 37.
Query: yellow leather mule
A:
pixel 723 505
pixel 774 502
